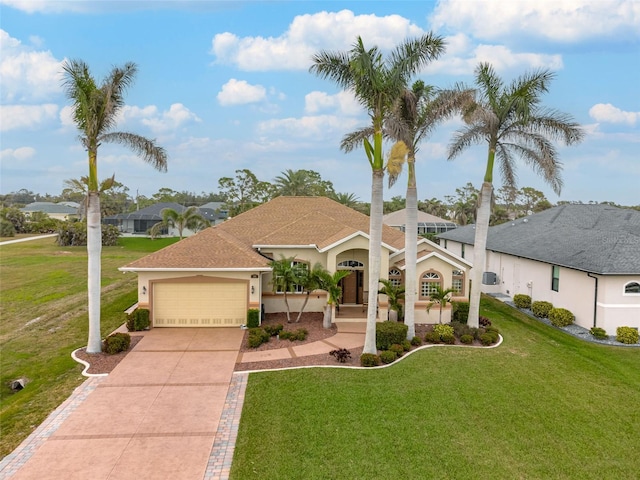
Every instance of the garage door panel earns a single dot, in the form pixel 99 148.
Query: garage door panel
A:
pixel 199 304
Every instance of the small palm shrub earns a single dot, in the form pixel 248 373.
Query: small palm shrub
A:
pixel 541 309
pixel 561 317
pixel 117 342
pixel 388 333
pixel 522 301
pixel 369 360
pixel 388 356
pixel 599 333
pixel 628 335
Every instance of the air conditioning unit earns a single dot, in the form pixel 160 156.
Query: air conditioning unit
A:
pixel 489 278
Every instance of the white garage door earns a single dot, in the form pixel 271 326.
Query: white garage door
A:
pixel 199 304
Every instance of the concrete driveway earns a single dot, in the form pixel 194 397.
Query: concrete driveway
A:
pixel 155 416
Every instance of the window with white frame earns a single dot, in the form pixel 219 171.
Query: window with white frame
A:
pixel 429 283
pixel 632 288
pixel 395 277
pixel 457 281
pixel 300 268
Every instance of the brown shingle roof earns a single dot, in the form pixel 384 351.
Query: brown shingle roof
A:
pixel 291 221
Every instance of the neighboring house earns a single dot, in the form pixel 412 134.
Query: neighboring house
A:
pixel 140 221
pixel 59 211
pixel 427 223
pixel 215 276
pixel 585 258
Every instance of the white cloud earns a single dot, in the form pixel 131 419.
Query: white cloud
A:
pixel 607 113
pixel 159 122
pixel 19 154
pixel 26 116
pixel 562 21
pixel 239 92
pixel 52 6
pixel 317 127
pixel 342 102
pixel 27 75
pixel 309 33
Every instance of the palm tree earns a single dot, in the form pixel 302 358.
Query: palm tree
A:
pixel 440 297
pixel 394 294
pixel 331 284
pixel 190 218
pixel 309 280
pixel 347 199
pixel 95 112
pixel 513 123
pixel 81 186
pixel 287 274
pixel 376 82
pixel 415 115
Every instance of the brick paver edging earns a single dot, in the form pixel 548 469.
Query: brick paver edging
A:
pixel 219 464
pixel 16 459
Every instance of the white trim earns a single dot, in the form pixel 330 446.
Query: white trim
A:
pixel 311 245
pixel 160 269
pixel 441 257
pixel 618 305
pixel 353 235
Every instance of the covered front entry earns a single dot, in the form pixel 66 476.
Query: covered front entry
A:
pixel 199 304
pixel 352 290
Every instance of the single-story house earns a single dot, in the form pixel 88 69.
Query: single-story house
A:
pixel 427 223
pixel 59 211
pixel 212 278
pixel 140 221
pixel 585 258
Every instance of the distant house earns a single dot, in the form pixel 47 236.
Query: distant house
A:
pixel 427 223
pixel 585 258
pixel 59 211
pixel 140 221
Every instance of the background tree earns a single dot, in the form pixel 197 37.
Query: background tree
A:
pixel 347 199
pixel 434 206
pixel 512 121
pixel 377 82
pixel 463 205
pixel 302 183
pixel 189 218
pixel 244 191
pixel 95 112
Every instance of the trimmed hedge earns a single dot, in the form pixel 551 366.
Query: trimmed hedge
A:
pixel 253 318
pixel 599 333
pixel 388 333
pixel 369 360
pixel 138 320
pixel 628 335
pixel 117 342
pixel 561 317
pixel 459 312
pixel 541 309
pixel 522 301
pixel 388 356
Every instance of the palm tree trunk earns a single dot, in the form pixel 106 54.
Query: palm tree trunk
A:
pixel 479 253
pixel 411 251
pixel 375 245
pixel 306 299
pixel 94 250
pixel 326 319
pixel 286 302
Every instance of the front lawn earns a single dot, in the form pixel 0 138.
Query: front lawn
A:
pixel 541 405
pixel 43 293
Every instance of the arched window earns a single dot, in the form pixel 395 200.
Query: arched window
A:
pixel 429 281
pixel 395 277
pixel 457 282
pixel 632 288
pixel 351 264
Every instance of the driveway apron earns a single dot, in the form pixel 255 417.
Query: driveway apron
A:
pixel 154 417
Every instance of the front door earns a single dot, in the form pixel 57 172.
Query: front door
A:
pixel 352 288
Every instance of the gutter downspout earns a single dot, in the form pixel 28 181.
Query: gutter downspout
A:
pixel 595 299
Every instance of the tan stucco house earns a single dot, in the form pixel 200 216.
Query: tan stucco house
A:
pixel 213 278
pixel 585 258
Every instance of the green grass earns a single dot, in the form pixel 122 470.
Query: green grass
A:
pixel 44 318
pixel 542 405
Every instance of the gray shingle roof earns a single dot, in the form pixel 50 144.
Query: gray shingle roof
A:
pixel 593 238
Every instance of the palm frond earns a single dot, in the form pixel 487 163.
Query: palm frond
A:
pixel 144 147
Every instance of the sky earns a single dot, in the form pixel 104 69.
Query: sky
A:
pixel 225 85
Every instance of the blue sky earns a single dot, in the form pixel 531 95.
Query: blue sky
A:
pixel 226 86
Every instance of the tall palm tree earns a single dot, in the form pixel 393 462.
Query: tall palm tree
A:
pixel 81 186
pixel 415 116
pixel 511 119
pixel 376 82
pixel 95 113
pixel 189 218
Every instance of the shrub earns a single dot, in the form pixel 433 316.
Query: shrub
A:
pixel 257 336
pixel 406 345
pixel 273 330
pixel 495 336
pixel 484 321
pixel 466 339
pixel 253 318
pixel 627 335
pixel 492 329
pixel 486 339
pixel 432 337
pixel 522 301
pixel 388 333
pixel 477 332
pixel 369 360
pixel 6 228
pixel 561 317
pixel 292 336
pixel 74 234
pixel 541 309
pixel 599 333
pixel 388 356
pixel 460 329
pixel 449 339
pixel 117 342
pixel 138 320
pixel 443 330
pixel 397 349
pixel 459 311
pixel 416 341
pixel 341 354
